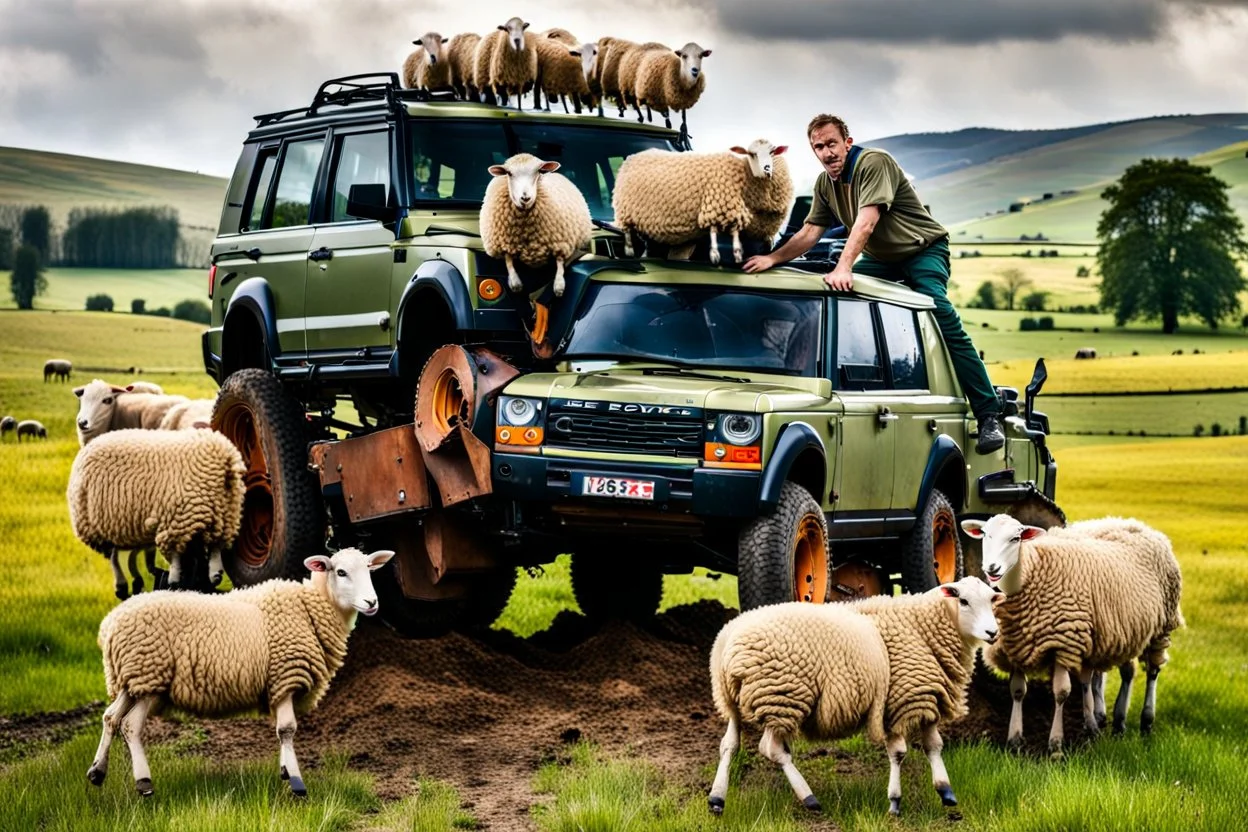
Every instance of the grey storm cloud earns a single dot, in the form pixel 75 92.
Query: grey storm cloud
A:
pixel 954 22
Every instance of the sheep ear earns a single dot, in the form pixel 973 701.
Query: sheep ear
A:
pixel 779 150
pixel 706 53
pixel 574 53
pixel 78 391
pixel 502 28
pixel 549 167
pixel 497 170
pixel 417 42
pixel 739 149
pixel 1030 532
pixel 117 389
pixel 973 528
pixel 525 26
pixel 379 558
pixel 317 563
pixel 950 591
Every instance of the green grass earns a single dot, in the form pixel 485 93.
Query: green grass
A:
pixel 68 289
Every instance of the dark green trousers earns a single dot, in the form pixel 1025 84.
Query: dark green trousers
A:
pixel 928 273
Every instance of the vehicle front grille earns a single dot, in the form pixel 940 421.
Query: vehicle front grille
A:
pixel 664 436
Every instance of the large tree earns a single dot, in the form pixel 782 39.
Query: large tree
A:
pixel 1013 281
pixel 1169 240
pixel 37 230
pixel 27 279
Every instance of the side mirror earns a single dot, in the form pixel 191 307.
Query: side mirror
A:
pixel 369 202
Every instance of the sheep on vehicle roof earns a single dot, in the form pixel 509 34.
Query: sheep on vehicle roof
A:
pixel 427 67
pixel 506 62
pixel 460 56
pixel 669 81
pixel 560 70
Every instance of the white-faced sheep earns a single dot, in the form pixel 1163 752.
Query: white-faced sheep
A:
pixel 532 214
pixel 675 198
pixel 560 71
pixel 32 428
pixel 59 367
pixel 459 56
pixel 891 665
pixel 131 489
pixel 104 407
pixel 668 81
pixel 427 67
pixel 1081 599
pixel 589 68
pixel 7 425
pixel 274 646
pixel 506 61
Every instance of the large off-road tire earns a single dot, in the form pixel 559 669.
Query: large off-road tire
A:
pixel 412 618
pixel 783 556
pixel 931 554
pixel 283 518
pixel 608 586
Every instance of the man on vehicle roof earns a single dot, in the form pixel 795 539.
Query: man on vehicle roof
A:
pixel 865 190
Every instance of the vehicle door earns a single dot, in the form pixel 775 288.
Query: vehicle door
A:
pixel 350 258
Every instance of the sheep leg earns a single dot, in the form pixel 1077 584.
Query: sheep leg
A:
pixel 776 750
pixel 175 569
pixel 1126 673
pixel 1061 692
pixel 1150 698
pixel 933 745
pixel 216 568
pixel 714 245
pixel 132 730
pixel 559 282
pixel 121 587
pixel 727 747
pixel 1098 698
pixel 160 578
pixel 513 280
pixel 136 577
pixel 1086 678
pixel 738 253
pixel 649 114
pixel 286 726
pixel 896 748
pixel 629 249
pixel 1018 689
pixel 667 119
pixel 112 720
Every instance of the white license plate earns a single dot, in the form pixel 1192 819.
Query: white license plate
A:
pixel 617 487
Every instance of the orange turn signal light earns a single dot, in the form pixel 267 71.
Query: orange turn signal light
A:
pixel 720 455
pixel 523 437
pixel 490 289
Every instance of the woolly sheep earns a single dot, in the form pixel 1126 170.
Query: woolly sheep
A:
pixel 459 56
pixel 674 198
pixel 105 407
pixel 589 68
pixel 145 387
pixel 610 53
pixel 630 64
pixel 506 61
pixel 131 489
pixel 669 81
pixel 427 68
pixel 59 367
pixel 560 71
pixel 888 664
pixel 32 428
pixel 532 214
pixel 195 413
pixel 7 425
pixel 1085 598
pixel 276 645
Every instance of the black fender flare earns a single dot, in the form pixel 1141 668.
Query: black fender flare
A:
pixel 254 297
pixel 945 452
pixel 443 278
pixel 795 438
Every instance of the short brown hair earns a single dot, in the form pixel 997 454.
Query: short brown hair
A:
pixel 823 120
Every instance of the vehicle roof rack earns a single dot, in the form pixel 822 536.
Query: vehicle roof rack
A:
pixel 354 89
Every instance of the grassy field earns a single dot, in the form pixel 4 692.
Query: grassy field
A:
pixel 56 591
pixel 68 289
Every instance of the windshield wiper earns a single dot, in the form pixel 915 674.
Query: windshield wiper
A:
pixel 608 226
pixel 684 371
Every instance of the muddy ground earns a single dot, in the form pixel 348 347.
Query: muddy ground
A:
pixel 485 712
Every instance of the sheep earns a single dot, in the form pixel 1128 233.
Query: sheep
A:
pixel 674 198
pixel 769 194
pixel 1085 352
pixel 32 428
pixel 145 387
pixel 1085 598
pixel 427 68
pixel 589 67
pixel 630 64
pixel 274 646
pixel 105 407
pixel 506 61
pixel 131 489
pixel 669 81
pixel 59 367
pixel 610 53
pixel 531 214
pixel 7 425
pixel 194 413
pixel 459 56
pixel 889 664
pixel 560 70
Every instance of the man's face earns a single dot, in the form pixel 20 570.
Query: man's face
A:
pixel 830 148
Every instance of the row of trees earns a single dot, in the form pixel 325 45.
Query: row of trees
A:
pixel 120 238
pixel 186 310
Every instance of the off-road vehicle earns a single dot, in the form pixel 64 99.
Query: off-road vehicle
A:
pixel 386 389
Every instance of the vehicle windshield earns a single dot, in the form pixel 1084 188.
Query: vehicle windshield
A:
pixel 698 327
pixel 450 159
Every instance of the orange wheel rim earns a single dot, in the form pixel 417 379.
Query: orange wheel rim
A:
pixel 448 402
pixel 810 562
pixel 944 549
pixel 255 535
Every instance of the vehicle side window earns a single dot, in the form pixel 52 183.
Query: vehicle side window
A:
pixel 363 159
pixel 292 204
pixel 905 354
pixel 858 364
pixel 253 211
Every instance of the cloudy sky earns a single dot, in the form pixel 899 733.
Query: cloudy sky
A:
pixel 175 82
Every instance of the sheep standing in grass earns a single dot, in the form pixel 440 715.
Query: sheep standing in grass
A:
pixel 506 61
pixel 32 428
pixel 675 198
pixel 7 425
pixel 532 214
pixel 59 367
pixel 274 646
pixel 131 489
pixel 1081 599
pixel 669 81
pixel 427 68
pixel 891 665
pixel 459 56
pixel 105 407
pixel 560 71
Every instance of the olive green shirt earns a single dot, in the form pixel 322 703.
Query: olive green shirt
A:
pixel 872 177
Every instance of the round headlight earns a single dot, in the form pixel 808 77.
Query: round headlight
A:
pixel 740 428
pixel 519 412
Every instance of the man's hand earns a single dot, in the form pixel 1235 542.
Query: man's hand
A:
pixel 839 279
pixel 759 263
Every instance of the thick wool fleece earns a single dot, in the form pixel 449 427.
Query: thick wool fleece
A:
pixel 559 69
pixel 514 71
pixel 800 668
pixel 483 56
pixel 557 225
pixel 419 75
pixel 929 662
pixel 459 56
pixel 769 200
pixel 630 66
pixel 659 83
pixel 222 654
pixel 135 488
pixel 674 197
pixel 1094 595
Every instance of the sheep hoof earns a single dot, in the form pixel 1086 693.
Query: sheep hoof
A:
pixel 812 803
pixel 1055 751
pixel 514 284
pixel 1101 721
pixel 1015 743
pixel 297 787
pixel 137 586
pixel 1146 725
pixel 143 786
pixel 95 776
pixel 215 578
pixel 715 256
pixel 738 255
pixel 121 591
pixel 559 286
pixel 894 806
pixel 1120 726
pixel 716 805
pixel 946 795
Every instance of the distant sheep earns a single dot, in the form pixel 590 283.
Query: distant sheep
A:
pixel 560 71
pixel 532 214
pixel 1085 352
pixel 59 367
pixel 275 646
pixel 104 407
pixel 32 428
pixel 427 68
pixel 7 425
pixel 459 56
pixel 669 81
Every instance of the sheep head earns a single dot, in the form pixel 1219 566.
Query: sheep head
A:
pixel 515 33
pixel 691 56
pixel 524 173
pixel 95 408
pixel 347 579
pixel 758 156
pixel 1003 537
pixel 975 600
pixel 433 45
pixel 588 53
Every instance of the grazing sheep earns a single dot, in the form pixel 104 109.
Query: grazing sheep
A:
pixel 427 68
pixel 630 65
pixel 32 428
pixel 145 387
pixel 674 198
pixel 1085 598
pixel 274 646
pixel 59 367
pixel 560 70
pixel 195 413
pixel 1085 352
pixel 532 214
pixel 669 81
pixel 105 407
pixel 7 425
pixel 889 664
pixel 506 62
pixel 459 56
pixel 610 53
pixel 131 489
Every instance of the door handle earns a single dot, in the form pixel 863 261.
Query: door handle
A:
pixel 253 253
pixel 321 253
pixel 885 416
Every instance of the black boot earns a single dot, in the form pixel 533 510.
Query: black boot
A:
pixel 990 436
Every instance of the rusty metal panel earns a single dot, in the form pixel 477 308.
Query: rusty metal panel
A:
pixel 453 546
pixel 381 474
pixel 412 567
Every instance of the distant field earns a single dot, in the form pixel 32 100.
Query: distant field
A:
pixel 70 288
pixel 1143 373
pixel 1055 275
